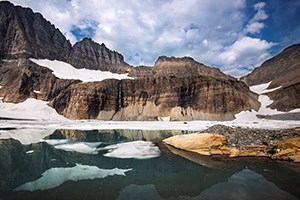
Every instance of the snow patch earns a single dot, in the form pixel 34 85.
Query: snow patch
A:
pixel 36 91
pixel 264 99
pixel 80 147
pixel 262 88
pixel 135 149
pixel 32 109
pixel 56 176
pixel 164 119
pixel 66 71
pixel 26 136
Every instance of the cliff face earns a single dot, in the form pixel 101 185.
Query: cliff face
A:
pixel 282 71
pixel 187 98
pixel 179 88
pixel 89 54
pixel 22 79
pixel 25 34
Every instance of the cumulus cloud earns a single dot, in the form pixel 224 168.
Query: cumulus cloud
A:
pixel 245 54
pixel 255 25
pixel 211 32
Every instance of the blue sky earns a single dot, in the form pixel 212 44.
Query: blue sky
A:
pixel 234 35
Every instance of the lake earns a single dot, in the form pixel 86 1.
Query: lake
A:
pixel 133 164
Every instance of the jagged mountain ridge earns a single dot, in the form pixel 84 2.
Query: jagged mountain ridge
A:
pixel 180 88
pixel 25 34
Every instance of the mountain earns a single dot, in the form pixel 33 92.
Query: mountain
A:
pixel 89 54
pixel 282 71
pixel 175 88
pixel 25 34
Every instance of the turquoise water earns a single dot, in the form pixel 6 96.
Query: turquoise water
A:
pixel 40 171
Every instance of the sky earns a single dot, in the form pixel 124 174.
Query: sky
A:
pixel 233 35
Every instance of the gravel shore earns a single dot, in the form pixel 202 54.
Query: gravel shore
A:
pixel 241 137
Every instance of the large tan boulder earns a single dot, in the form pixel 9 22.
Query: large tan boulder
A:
pixel 196 141
pixel 212 144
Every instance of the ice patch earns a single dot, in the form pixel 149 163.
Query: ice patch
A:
pixel 56 176
pixel 26 136
pixel 66 71
pixel 30 109
pixel 80 147
pixel 136 149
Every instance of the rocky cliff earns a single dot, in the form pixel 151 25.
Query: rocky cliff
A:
pixel 186 98
pixel 25 34
pixel 282 71
pixel 177 88
pixel 89 54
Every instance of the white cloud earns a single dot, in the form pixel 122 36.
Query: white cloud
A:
pixel 246 53
pixel 259 5
pixel 255 27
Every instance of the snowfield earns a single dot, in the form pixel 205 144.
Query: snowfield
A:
pixel 64 70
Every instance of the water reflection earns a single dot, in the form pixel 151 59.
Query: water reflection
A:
pixel 181 176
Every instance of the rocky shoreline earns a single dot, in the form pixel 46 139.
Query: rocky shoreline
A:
pixel 241 142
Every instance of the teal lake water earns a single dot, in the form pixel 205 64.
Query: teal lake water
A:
pixel 43 171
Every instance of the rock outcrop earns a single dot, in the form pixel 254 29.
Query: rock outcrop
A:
pixel 237 142
pixel 89 54
pixel 282 71
pixel 187 98
pixel 177 88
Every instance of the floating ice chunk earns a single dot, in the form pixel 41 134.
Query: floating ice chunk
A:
pixel 66 71
pixel 56 176
pixel 26 136
pixel 80 147
pixel 136 149
pixel 54 142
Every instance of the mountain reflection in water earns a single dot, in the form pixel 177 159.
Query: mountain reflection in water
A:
pixel 177 175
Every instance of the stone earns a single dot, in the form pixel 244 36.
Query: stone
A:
pixel 90 55
pixel 288 147
pixel 196 142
